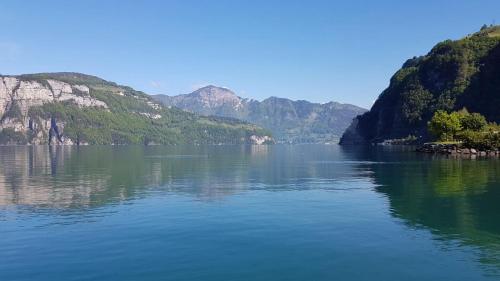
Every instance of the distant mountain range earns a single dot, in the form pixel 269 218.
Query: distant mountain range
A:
pixel 289 121
pixel 455 74
pixel 74 108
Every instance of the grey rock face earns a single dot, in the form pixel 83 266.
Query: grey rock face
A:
pixel 17 96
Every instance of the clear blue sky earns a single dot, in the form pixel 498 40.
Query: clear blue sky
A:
pixel 316 50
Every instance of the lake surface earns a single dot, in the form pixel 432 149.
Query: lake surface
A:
pixel 306 212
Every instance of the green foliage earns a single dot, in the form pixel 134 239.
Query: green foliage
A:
pixel 290 121
pixel 473 122
pixel 131 117
pixel 415 103
pixel 97 126
pixel 444 126
pixel 483 140
pixel 469 128
pixel 453 75
pixel 68 77
pixel 490 31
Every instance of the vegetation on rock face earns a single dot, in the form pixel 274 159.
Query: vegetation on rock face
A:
pixel 290 121
pixel 453 75
pixel 471 129
pixel 9 136
pixel 445 126
pixel 131 117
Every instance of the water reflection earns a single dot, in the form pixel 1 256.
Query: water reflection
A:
pixel 75 177
pixel 456 199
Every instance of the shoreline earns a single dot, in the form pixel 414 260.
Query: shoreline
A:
pixel 456 150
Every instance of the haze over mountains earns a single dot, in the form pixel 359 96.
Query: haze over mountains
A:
pixel 289 121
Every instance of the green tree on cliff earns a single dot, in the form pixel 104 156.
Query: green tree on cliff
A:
pixel 445 126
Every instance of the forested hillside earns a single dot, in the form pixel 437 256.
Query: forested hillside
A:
pixel 73 108
pixel 456 74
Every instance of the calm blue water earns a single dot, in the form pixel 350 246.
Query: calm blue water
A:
pixel 307 212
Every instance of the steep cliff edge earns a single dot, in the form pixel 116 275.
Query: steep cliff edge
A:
pixel 453 75
pixel 73 108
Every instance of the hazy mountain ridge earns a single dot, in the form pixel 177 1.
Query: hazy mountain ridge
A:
pixel 290 121
pixel 74 108
pixel 455 74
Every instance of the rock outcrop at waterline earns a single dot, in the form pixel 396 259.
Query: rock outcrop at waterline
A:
pixel 456 150
pixel 73 108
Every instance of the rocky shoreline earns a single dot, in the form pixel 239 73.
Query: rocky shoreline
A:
pixel 456 150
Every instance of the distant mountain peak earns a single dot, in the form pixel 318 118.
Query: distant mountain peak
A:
pixel 213 96
pixel 213 87
pixel 73 108
pixel 290 121
pixel 211 90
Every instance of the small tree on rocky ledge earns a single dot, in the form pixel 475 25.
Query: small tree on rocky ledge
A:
pixel 473 122
pixel 471 129
pixel 444 126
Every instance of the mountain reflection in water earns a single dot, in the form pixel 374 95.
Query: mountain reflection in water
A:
pixel 454 200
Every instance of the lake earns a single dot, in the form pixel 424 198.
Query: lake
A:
pixel 304 212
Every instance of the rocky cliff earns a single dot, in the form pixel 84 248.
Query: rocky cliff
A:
pixel 456 74
pixel 72 108
pixel 290 121
pixel 19 95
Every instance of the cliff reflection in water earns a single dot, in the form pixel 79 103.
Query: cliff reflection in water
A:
pixel 456 199
pixel 76 177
